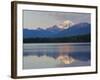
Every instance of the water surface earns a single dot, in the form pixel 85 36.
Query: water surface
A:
pixel 53 55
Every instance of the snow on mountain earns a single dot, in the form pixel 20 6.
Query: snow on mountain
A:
pixel 56 31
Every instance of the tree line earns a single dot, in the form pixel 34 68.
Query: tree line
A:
pixel 80 38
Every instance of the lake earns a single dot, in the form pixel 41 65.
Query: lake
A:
pixel 53 55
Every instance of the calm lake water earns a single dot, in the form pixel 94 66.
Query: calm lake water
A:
pixel 56 55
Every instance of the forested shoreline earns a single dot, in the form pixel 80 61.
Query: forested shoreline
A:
pixel 80 38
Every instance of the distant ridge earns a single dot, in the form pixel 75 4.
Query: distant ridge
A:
pixel 55 31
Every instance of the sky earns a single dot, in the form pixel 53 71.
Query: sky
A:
pixel 44 19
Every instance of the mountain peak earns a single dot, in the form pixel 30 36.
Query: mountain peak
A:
pixel 39 29
pixel 54 28
pixel 65 24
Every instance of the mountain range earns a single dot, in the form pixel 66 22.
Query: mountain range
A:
pixel 56 32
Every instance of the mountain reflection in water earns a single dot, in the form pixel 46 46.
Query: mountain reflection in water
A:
pixel 56 55
pixel 66 59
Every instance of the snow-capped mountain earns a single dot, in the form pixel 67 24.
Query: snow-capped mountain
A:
pixel 55 31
